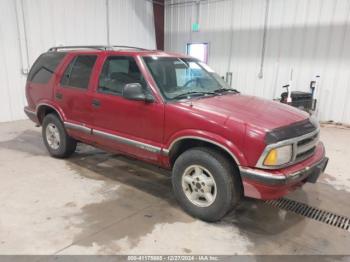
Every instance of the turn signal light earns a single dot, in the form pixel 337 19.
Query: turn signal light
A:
pixel 271 158
pixel 279 156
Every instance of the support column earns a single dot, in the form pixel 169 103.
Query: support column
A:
pixel 158 11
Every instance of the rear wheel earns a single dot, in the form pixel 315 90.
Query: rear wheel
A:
pixel 206 183
pixel 57 141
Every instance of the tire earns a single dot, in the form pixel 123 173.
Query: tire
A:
pixel 212 164
pixel 58 143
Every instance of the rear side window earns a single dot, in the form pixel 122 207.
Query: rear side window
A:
pixel 78 72
pixel 44 67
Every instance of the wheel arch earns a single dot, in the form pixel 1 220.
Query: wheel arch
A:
pixel 183 143
pixel 43 109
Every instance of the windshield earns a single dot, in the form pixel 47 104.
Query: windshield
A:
pixel 179 78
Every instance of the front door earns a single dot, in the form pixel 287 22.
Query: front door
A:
pixel 132 127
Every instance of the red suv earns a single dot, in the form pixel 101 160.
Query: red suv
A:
pixel 175 112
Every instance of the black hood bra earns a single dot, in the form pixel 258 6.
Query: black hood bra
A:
pixel 287 132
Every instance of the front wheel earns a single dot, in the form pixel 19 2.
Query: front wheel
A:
pixel 57 141
pixel 206 183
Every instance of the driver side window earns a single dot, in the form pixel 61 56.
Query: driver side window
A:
pixel 118 71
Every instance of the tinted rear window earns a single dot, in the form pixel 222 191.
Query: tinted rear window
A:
pixel 44 67
pixel 78 72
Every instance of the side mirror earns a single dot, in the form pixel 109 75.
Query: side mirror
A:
pixel 134 91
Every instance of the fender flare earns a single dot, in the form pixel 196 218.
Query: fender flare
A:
pixel 219 141
pixel 51 105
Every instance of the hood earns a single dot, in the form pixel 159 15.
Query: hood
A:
pixel 251 110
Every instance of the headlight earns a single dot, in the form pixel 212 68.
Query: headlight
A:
pixel 279 156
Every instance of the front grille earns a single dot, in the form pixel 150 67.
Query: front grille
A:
pixel 307 140
pixel 306 147
pixel 304 155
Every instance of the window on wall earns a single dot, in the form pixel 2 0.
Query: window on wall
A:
pixel 78 72
pixel 198 50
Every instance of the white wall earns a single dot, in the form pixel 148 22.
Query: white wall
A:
pixel 310 36
pixel 30 27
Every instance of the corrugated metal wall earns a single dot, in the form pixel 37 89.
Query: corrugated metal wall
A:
pixel 309 36
pixel 30 27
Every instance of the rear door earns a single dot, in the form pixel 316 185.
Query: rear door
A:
pixel 73 94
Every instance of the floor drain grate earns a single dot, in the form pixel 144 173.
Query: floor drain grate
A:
pixel 311 212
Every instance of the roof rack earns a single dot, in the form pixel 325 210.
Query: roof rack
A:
pixel 98 47
pixel 130 47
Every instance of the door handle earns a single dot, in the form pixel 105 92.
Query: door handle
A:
pixel 58 96
pixel 96 103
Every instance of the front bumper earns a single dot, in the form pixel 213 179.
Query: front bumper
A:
pixel 272 184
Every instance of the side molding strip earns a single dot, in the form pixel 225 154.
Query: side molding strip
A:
pixel 80 128
pixel 144 146
pixel 110 136
pixel 147 147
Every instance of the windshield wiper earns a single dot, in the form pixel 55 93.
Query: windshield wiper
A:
pixel 222 90
pixel 188 94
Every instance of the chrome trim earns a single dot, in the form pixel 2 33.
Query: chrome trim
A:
pixel 261 175
pixel 29 111
pixel 167 151
pixel 308 146
pixel 106 135
pixel 268 178
pixel 128 141
pixel 293 142
pixel 78 127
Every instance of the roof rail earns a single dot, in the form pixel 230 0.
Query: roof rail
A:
pixel 98 47
pixel 130 47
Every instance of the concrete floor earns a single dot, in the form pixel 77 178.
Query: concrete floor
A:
pixel 98 203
